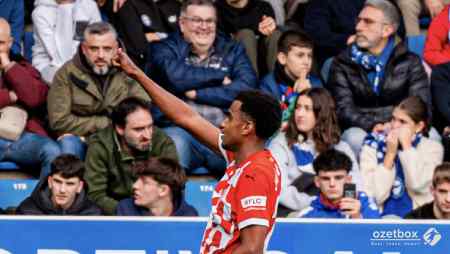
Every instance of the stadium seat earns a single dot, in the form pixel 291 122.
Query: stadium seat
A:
pixel 325 71
pixel 6 165
pixel 14 191
pixel 416 44
pixel 198 193
pixel 28 42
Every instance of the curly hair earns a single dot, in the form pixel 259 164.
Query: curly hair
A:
pixel 326 132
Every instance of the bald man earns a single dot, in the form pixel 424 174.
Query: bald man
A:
pixel 21 86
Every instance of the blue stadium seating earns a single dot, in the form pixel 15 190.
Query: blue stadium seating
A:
pixel 6 165
pixel 13 191
pixel 416 44
pixel 198 193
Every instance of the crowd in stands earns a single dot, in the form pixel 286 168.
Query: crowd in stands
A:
pixel 379 121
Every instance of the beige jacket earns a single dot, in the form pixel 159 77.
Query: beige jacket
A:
pixel 418 166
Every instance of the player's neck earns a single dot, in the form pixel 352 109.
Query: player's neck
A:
pixel 247 149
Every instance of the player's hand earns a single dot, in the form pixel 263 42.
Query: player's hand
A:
pixel 4 60
pixel 226 81
pixel 13 97
pixel 121 60
pixel 351 39
pixel 302 83
pixel 405 136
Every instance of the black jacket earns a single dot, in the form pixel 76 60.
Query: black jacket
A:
pixel 424 212
pixel 231 20
pixel 127 207
pixel 358 105
pixel 39 203
pixel 138 17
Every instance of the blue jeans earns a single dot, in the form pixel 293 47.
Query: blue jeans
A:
pixel 192 154
pixel 72 144
pixel 30 150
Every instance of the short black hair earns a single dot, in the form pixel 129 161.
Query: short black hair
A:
pixel 294 38
pixel 263 110
pixel 68 166
pixel 164 171
pixel 332 160
pixel 186 3
pixel 126 107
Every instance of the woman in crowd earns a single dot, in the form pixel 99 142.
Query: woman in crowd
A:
pixel 397 165
pixel 312 129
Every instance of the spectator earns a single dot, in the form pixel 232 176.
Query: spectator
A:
pixel 140 22
pixel 331 23
pixel 437 45
pixel 312 129
pixel 85 89
pixel 440 189
pixel 252 22
pixel 21 85
pixel 397 165
pixel 205 69
pixel 332 168
pixel 13 12
pixel 413 9
pixel 374 74
pixel 113 150
pixel 63 192
pixel 158 190
pixel 292 71
pixel 58 30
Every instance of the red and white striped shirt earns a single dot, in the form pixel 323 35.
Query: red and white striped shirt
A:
pixel 246 195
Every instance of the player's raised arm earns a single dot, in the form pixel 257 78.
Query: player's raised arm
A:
pixel 174 108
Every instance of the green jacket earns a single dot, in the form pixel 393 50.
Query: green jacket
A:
pixel 79 102
pixel 108 172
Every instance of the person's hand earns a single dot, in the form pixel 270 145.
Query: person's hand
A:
pixel 350 207
pixel 392 142
pixel 226 81
pixel 191 94
pixel 152 37
pixel 405 136
pixel 351 39
pixel 118 4
pixel 302 83
pixel 121 60
pixel 13 97
pixel 381 127
pixel 434 7
pixel 267 25
pixel 4 60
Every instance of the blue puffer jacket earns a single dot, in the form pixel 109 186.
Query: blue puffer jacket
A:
pixel 169 68
pixel 13 11
pixel 317 209
pixel 127 207
pixel 269 85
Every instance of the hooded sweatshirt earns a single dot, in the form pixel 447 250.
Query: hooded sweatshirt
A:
pixel 40 203
pixel 55 35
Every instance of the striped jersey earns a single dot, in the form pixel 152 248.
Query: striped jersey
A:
pixel 246 195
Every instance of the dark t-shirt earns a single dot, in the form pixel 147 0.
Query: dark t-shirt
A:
pixel 423 212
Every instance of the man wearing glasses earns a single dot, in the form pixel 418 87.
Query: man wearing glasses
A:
pixel 204 68
pixel 374 73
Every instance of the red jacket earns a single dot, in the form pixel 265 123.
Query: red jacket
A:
pixel 437 45
pixel 31 91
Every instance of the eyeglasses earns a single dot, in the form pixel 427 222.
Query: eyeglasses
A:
pixel 369 22
pixel 198 21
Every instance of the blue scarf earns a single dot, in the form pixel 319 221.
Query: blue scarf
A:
pixel 374 64
pixel 304 154
pixel 399 202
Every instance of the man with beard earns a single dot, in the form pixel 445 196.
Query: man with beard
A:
pixel 114 150
pixel 85 89
pixel 374 74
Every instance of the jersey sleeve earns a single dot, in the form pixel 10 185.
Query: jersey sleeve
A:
pixel 254 199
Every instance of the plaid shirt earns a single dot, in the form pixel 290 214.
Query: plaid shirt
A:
pixel 213 114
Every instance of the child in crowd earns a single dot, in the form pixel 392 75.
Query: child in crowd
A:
pixel 397 165
pixel 292 71
pixel 312 129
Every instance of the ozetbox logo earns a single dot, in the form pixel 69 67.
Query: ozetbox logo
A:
pixel 431 237
pixel 398 237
